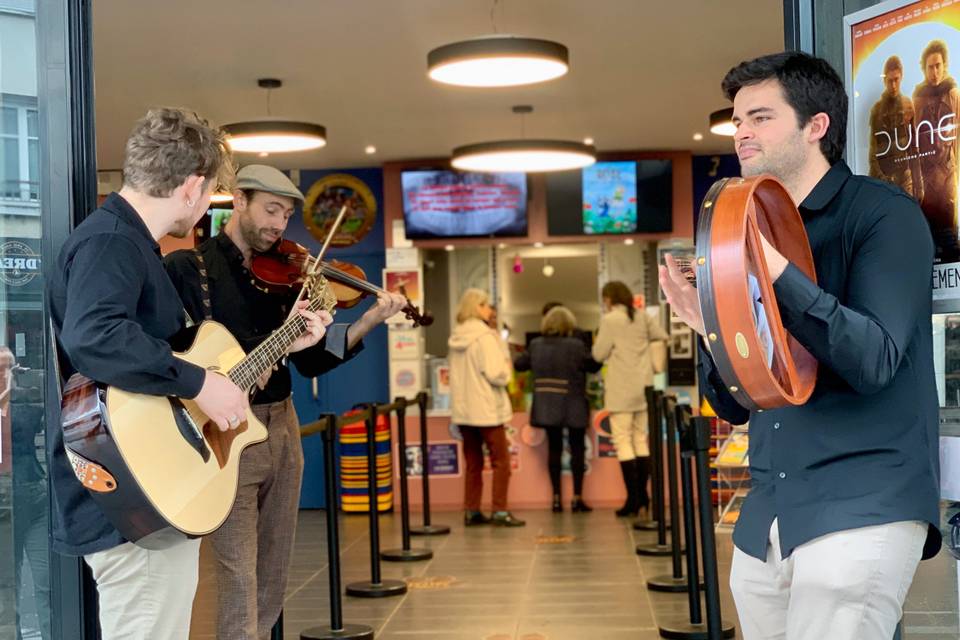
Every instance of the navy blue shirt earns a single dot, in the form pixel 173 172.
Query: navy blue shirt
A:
pixel 113 309
pixel 864 450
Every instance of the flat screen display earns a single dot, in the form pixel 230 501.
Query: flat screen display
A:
pixel 611 198
pixel 450 204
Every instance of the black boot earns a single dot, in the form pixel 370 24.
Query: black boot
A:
pixel 643 474
pixel 557 506
pixel 629 470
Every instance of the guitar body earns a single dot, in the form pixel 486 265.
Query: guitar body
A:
pixel 156 465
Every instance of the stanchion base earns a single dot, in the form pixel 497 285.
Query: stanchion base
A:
pixel 406 555
pixel 667 583
pixel 655 550
pixel 384 589
pixel 684 630
pixel 646 525
pixel 430 530
pixel 349 631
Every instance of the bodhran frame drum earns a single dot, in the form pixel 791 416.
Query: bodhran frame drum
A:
pixel 729 255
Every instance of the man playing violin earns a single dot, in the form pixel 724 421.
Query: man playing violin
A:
pixel 253 547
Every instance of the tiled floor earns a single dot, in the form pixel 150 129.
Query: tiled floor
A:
pixel 507 584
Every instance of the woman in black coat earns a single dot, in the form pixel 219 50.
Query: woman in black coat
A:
pixel 559 363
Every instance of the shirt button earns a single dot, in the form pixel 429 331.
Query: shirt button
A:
pixel 782 475
pixel 776 425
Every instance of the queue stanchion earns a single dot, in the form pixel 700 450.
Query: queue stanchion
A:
pixel 404 554
pixel 427 529
pixel 651 524
pixel 337 628
pixel 376 587
pixel 695 442
pixel 674 582
pixel 660 548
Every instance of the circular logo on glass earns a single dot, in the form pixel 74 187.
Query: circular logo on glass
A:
pixel 19 264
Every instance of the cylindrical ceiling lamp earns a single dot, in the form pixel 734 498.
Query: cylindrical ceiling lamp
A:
pixel 274 135
pixel 526 156
pixel 721 122
pixel 498 61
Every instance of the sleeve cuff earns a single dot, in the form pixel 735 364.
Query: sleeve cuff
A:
pixel 190 380
pixel 336 342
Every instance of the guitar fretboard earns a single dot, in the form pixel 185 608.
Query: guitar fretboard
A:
pixel 246 372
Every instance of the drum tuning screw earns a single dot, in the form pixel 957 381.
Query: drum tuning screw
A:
pixel 701 261
pixel 713 337
pixel 734 389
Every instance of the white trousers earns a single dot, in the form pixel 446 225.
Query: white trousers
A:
pixel 144 594
pixel 848 585
pixel 629 432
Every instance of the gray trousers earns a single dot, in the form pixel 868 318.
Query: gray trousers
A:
pixel 253 547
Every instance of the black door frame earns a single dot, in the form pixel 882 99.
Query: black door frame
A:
pixel 68 193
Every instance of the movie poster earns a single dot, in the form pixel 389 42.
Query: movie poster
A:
pixel 904 104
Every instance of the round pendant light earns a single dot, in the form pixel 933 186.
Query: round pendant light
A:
pixel 523 155
pixel 274 135
pixel 498 61
pixel 721 122
pixel 526 156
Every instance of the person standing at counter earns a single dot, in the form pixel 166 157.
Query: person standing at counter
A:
pixel 480 370
pixel 559 362
pixel 623 343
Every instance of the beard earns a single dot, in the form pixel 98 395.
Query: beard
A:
pixel 254 236
pixel 782 162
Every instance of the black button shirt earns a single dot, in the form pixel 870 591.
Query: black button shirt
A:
pixel 249 313
pixel 864 450
pixel 113 308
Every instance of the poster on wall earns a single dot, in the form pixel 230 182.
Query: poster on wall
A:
pixel 444 459
pixel 324 200
pixel 404 344
pixel 904 104
pixel 406 282
pixel 406 380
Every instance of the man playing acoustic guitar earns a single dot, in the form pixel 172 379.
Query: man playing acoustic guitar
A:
pixel 113 309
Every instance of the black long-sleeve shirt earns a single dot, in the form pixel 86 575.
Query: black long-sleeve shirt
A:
pixel 113 309
pixel 864 449
pixel 249 313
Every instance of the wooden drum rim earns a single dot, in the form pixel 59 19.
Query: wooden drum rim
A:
pixel 734 213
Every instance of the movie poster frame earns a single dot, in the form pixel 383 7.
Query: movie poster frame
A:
pixel 949 303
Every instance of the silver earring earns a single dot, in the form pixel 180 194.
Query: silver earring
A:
pixel 190 203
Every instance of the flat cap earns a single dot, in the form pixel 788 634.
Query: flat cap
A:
pixel 261 177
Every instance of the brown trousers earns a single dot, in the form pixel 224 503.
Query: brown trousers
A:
pixel 253 547
pixel 496 440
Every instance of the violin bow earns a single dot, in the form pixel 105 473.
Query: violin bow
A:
pixel 315 267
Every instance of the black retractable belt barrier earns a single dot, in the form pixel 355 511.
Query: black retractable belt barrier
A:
pixel 337 628
pixel 405 554
pixel 651 524
pixel 675 582
pixel 427 529
pixel 655 407
pixel 695 443
pixel 376 587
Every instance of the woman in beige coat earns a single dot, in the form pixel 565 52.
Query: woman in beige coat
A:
pixel 480 370
pixel 623 343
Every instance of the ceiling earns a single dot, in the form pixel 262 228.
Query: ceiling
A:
pixel 643 74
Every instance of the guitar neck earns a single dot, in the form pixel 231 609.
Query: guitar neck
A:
pixel 246 372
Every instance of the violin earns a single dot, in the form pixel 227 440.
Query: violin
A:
pixel 284 268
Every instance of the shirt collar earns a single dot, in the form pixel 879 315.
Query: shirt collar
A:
pixel 227 247
pixel 118 206
pixel 828 187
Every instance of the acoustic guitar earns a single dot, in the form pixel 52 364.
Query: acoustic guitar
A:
pixel 156 465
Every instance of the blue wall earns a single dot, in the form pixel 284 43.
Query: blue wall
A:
pixel 363 379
